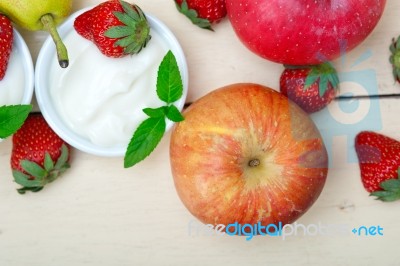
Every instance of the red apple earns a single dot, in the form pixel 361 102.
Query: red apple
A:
pixel 246 154
pixel 303 32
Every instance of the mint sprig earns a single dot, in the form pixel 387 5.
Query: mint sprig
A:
pixel 12 117
pixel 150 132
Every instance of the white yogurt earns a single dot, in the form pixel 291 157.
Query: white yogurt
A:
pixel 102 98
pixel 13 84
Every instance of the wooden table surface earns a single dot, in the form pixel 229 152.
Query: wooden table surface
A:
pixel 99 213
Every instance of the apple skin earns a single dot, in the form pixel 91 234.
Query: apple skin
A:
pixel 247 154
pixel 303 32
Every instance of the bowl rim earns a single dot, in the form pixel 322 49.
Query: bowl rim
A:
pixel 29 71
pixel 27 62
pixel 50 113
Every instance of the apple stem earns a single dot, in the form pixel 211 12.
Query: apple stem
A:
pixel 62 53
pixel 254 162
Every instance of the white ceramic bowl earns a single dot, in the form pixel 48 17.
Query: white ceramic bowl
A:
pixel 21 59
pixel 28 67
pixel 20 64
pixel 43 95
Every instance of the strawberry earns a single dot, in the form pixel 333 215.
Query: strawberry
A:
pixel 311 87
pixel 116 27
pixel 395 58
pixel 38 155
pixel 202 12
pixel 379 159
pixel 6 43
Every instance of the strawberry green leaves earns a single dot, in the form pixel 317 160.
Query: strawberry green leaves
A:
pixel 193 15
pixel 150 132
pixel 390 189
pixel 326 74
pixel 41 175
pixel 322 74
pixel 395 58
pixel 11 118
pixel 134 34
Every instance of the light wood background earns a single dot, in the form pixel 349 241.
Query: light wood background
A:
pixel 99 213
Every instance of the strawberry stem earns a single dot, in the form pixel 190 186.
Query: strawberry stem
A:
pixel 50 26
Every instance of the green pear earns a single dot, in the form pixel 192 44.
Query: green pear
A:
pixel 40 15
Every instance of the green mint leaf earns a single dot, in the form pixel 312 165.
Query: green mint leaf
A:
pixel 150 132
pixel 12 117
pixel 156 112
pixel 145 140
pixel 169 81
pixel 174 114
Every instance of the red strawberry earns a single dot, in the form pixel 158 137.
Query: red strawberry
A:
pixel 379 158
pixel 38 155
pixel 311 87
pixel 202 12
pixel 116 27
pixel 6 43
pixel 395 58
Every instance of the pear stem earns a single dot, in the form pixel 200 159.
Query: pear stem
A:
pixel 50 26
